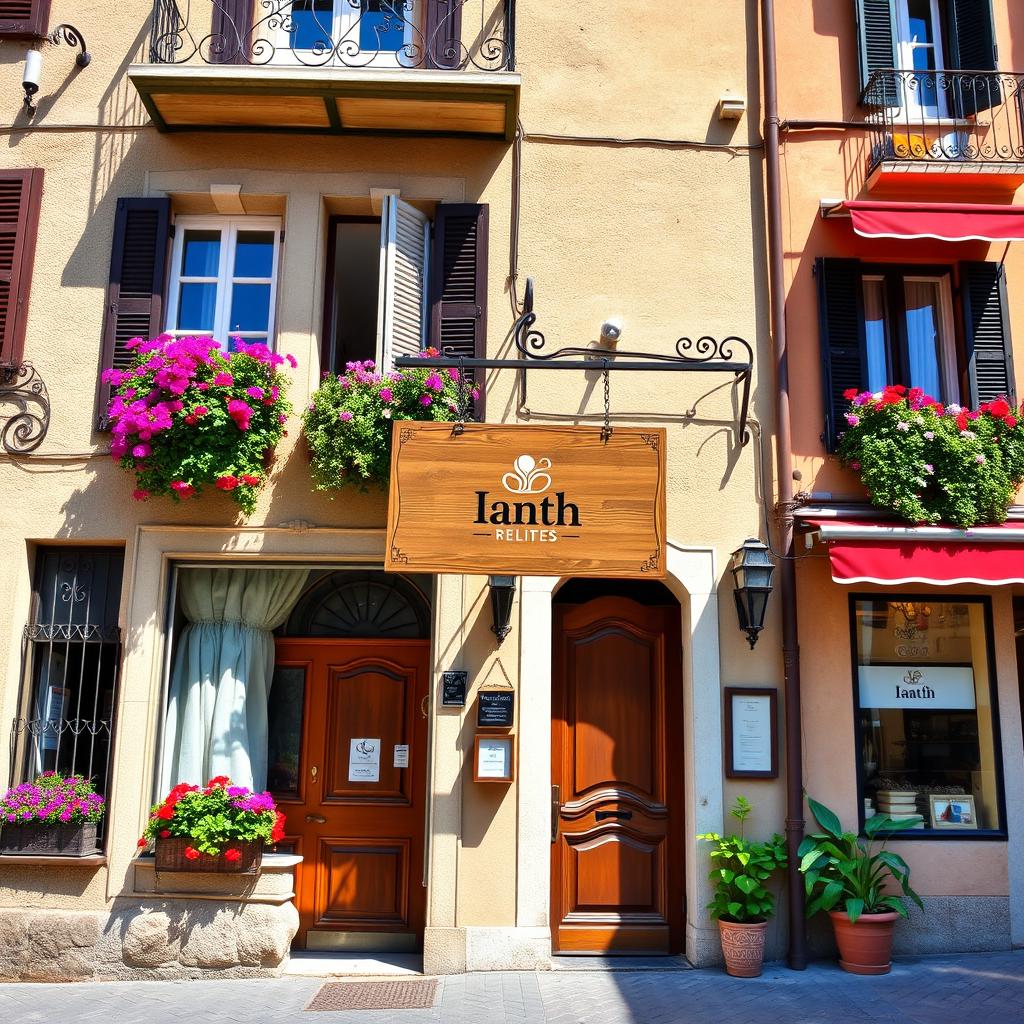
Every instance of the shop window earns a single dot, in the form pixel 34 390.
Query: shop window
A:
pixel 927 729
pixel 72 656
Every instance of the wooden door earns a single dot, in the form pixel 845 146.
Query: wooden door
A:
pixel 617 724
pixel 355 815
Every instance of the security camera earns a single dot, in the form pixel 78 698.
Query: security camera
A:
pixel 31 76
pixel 611 331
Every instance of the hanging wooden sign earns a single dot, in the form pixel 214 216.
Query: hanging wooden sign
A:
pixel 525 500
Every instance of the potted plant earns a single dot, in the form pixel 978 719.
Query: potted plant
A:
pixel 52 816
pixel 855 873
pixel 743 904
pixel 348 423
pixel 187 415
pixel 929 463
pixel 221 827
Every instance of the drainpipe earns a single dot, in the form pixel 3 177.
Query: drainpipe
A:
pixel 797 957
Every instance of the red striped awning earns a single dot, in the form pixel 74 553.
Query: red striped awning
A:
pixel 937 556
pixel 946 222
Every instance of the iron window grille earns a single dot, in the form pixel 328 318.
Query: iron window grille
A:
pixel 71 657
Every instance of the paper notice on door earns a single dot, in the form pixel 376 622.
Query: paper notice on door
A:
pixel 401 755
pixel 364 760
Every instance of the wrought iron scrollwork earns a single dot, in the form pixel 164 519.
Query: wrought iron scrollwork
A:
pixel 23 430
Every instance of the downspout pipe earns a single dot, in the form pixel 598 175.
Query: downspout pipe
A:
pixel 797 953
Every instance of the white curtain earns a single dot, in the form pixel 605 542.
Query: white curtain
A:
pixel 924 350
pixel 217 708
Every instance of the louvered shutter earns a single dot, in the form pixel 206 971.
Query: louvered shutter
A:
pixel 986 332
pixel 20 195
pixel 443 35
pixel 876 41
pixel 972 40
pixel 24 19
pixel 405 238
pixel 841 317
pixel 135 291
pixel 231 31
pixel 458 284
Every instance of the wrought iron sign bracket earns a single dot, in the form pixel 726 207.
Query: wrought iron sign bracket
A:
pixel 702 355
pixel 24 429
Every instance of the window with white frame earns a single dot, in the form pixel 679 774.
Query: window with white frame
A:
pixel 349 31
pixel 920 48
pixel 223 278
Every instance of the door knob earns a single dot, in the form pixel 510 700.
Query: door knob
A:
pixel 313 771
pixel 556 811
pixel 319 819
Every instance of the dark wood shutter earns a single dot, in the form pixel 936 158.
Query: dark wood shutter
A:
pixel 458 284
pixel 135 293
pixel 20 195
pixel 24 19
pixel 986 332
pixel 841 316
pixel 972 40
pixel 444 33
pixel 232 31
pixel 876 42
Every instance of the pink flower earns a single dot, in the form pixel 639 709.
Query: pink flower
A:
pixel 142 451
pixel 292 361
pixel 344 416
pixel 182 489
pixel 979 459
pixel 223 380
pixel 139 494
pixel 852 419
pixel 929 435
pixel 386 395
pixel 282 418
pixel 434 382
pixel 426 400
pixel 255 392
pixel 476 394
pixel 453 373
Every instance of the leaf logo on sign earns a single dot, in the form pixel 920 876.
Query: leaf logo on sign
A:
pixel 913 677
pixel 527 476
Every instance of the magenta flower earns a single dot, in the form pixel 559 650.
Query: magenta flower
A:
pixel 223 380
pixel 255 392
pixel 434 382
pixel 426 400
pixel 386 395
pixel 142 451
pixel 344 416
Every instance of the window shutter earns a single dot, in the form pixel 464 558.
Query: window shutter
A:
pixel 20 195
pixel 458 284
pixel 135 292
pixel 876 41
pixel 24 19
pixel 231 31
pixel 405 236
pixel 986 332
pixel 444 33
pixel 841 316
pixel 972 40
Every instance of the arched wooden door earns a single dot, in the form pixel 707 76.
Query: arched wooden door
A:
pixel 617 722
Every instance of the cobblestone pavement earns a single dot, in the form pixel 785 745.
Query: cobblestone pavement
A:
pixel 973 988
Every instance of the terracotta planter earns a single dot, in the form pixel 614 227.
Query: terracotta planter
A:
pixel 170 856
pixel 743 947
pixel 865 947
pixel 49 840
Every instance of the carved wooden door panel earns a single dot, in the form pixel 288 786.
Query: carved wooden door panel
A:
pixel 355 798
pixel 617 720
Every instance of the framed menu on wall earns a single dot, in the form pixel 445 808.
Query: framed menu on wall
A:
pixel 751 733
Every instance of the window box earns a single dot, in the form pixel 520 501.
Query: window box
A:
pixel 171 856
pixel 49 840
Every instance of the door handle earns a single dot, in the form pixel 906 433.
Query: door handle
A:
pixel 621 815
pixel 319 819
pixel 556 811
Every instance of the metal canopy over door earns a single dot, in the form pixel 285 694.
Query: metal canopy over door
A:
pixel 617 813
pixel 355 796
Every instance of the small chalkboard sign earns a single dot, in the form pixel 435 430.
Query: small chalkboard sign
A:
pixel 495 709
pixel 453 689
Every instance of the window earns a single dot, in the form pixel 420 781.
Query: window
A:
pixel 223 277
pixel 353 32
pixel 72 658
pixel 24 19
pixel 919 48
pixel 927 729
pixel 897 324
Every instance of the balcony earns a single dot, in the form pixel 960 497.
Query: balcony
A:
pixel 335 67
pixel 928 126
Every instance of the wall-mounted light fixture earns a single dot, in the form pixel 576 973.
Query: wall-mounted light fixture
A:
pixel 33 73
pixel 503 592
pixel 752 570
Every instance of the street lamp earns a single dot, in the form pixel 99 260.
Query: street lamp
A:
pixel 503 592
pixel 752 577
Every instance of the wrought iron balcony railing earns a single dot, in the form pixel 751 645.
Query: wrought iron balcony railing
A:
pixel 937 117
pixel 475 35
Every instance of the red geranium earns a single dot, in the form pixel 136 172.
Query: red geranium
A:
pixel 191 853
pixel 232 855
pixel 278 832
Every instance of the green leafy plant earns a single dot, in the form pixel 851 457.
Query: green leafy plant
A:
pixel 933 463
pixel 741 867
pixel 842 868
pixel 348 423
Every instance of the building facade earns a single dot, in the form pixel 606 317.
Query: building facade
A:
pixel 227 167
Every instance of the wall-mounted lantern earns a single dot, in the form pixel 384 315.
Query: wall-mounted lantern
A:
pixel 503 592
pixel 33 72
pixel 752 570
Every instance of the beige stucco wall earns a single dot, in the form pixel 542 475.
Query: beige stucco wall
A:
pixel 666 235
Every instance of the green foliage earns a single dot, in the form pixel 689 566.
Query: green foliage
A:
pixel 741 867
pixel 841 868
pixel 349 422
pixel 930 463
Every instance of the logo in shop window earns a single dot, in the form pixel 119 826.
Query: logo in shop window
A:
pixel 527 476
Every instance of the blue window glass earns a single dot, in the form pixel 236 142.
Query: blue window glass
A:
pixel 922 319
pixel 311 25
pixel 382 25
pixel 876 331
pixel 250 307
pixel 254 254
pixel 202 254
pixel 196 306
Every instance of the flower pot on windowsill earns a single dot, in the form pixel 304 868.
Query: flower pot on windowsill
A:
pixel 41 840
pixel 743 947
pixel 865 945
pixel 173 855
